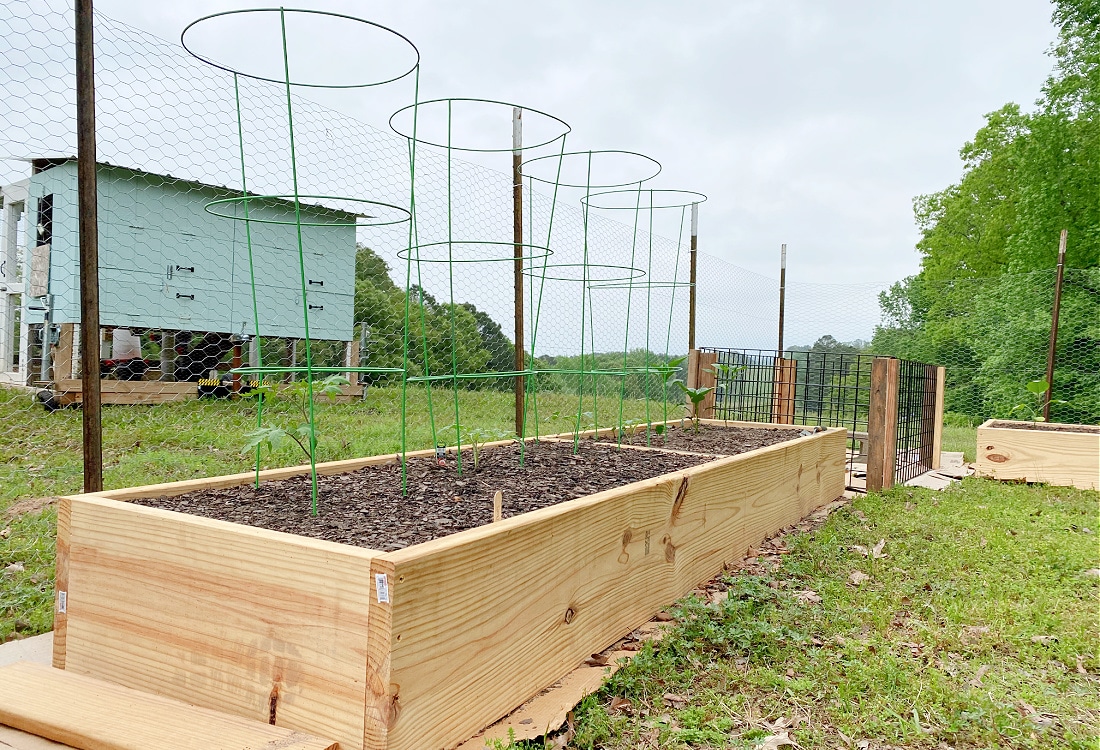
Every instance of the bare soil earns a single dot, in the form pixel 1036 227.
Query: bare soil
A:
pixel 366 507
pixel 1048 427
pixel 712 439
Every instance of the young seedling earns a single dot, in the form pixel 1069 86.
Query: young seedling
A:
pixel 696 396
pixel 297 393
pixel 1035 413
pixel 478 437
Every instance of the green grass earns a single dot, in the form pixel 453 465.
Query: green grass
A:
pixel 971 632
pixel 40 456
pixel 960 439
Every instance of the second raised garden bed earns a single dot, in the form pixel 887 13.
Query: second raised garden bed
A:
pixel 1067 455
pixel 418 646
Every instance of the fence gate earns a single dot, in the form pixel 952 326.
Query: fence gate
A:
pixel 881 401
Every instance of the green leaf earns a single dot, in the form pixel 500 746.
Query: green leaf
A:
pixel 1038 386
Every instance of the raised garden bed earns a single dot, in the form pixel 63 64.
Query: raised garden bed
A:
pixel 1066 455
pixel 727 439
pixel 418 647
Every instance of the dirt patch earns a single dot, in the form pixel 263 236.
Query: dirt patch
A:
pixel 1088 429
pixel 29 505
pixel 366 507
pixel 713 439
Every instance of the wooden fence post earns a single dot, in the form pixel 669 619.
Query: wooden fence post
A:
pixel 890 438
pixel 937 434
pixel 783 390
pixel 882 424
pixel 707 378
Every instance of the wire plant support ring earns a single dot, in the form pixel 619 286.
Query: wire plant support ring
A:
pixel 252 205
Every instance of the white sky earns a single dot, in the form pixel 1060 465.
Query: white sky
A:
pixel 810 123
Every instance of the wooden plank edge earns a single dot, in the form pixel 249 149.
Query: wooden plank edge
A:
pixel 61 580
pixel 284 537
pixel 135 709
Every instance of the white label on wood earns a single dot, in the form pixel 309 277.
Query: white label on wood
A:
pixel 62 601
pixel 382 586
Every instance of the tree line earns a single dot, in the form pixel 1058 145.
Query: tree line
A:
pixel 981 303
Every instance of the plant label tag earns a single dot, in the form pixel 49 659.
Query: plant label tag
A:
pixel 382 587
pixel 62 601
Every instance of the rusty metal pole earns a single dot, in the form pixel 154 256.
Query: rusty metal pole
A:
pixel 89 248
pixel 1054 323
pixel 782 292
pixel 693 276
pixel 517 263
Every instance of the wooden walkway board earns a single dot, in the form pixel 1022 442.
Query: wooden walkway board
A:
pixel 90 714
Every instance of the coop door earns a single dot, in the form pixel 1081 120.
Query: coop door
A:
pixel 40 255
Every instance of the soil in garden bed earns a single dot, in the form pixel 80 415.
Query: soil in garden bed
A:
pixel 1048 427
pixel 716 439
pixel 366 508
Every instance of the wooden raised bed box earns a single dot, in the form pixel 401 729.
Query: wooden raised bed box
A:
pixel 1066 455
pixel 416 648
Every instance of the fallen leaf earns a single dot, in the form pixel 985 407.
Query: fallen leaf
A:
pixel 776 741
pixel 1046 640
pixel 718 597
pixel 808 596
pixel 790 675
pixel 857 577
pixel 675 700
pixel 15 567
pixel 976 680
pixel 620 705
pixel 877 552
pixel 860 549
pixel 597 660
pixel 662 617
pixel 1081 665
pixel 1091 573
pixel 5 532
pixel 847 740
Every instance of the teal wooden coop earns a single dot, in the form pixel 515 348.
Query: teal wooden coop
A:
pixel 168 264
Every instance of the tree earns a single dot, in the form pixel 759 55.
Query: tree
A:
pixel 981 301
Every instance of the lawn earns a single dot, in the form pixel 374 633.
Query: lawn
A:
pixel 976 628
pixel 40 457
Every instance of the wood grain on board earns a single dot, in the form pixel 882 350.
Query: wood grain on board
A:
pixel 92 714
pixel 1066 459
pixel 486 617
pixel 263 625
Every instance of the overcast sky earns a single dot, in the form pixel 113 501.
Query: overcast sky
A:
pixel 806 122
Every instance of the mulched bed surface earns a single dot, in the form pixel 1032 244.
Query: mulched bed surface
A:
pixel 725 441
pixel 366 508
pixel 1049 427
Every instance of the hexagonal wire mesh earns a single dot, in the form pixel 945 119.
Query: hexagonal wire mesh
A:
pixel 168 134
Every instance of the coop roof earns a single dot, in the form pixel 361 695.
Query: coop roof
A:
pixel 41 163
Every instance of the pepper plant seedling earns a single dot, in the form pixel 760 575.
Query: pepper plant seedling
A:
pixel 1035 413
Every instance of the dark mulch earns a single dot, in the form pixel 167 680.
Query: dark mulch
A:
pixel 714 439
pixel 1048 427
pixel 366 508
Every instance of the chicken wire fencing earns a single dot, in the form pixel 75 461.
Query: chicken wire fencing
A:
pixel 179 315
pixel 327 284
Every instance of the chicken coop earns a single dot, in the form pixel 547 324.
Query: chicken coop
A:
pixel 181 284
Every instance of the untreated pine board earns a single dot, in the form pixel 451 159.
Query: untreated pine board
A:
pixel 91 714
pixel 1065 459
pixel 937 435
pixel 470 643
pixel 260 624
